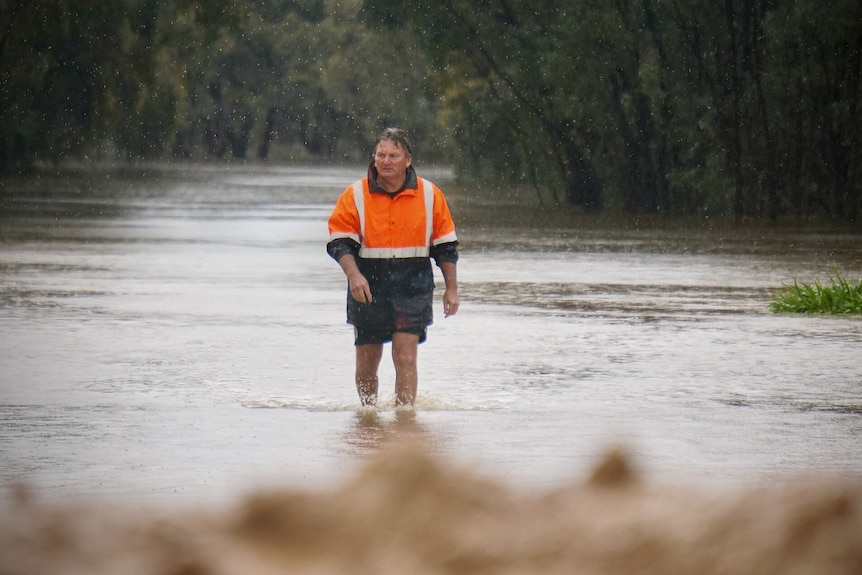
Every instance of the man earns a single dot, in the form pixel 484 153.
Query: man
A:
pixel 383 232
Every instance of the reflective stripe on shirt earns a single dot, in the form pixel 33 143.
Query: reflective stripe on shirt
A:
pixel 397 252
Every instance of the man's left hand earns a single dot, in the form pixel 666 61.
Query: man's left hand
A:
pixel 451 302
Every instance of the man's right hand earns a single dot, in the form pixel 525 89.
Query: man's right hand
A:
pixel 356 282
pixel 359 288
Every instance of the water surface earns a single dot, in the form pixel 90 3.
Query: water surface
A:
pixel 179 333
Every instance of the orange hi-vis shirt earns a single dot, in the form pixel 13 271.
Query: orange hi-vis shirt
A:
pixel 405 225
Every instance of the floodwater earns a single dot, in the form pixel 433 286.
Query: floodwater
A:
pixel 178 334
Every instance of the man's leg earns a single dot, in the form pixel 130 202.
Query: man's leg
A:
pixel 405 348
pixel 367 361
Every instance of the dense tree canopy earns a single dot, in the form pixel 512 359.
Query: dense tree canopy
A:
pixel 200 79
pixel 746 108
pixel 743 107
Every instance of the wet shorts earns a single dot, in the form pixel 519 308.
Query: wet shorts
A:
pixel 364 336
pixel 409 310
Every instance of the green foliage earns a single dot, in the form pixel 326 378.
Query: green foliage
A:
pixel 200 79
pixel 743 108
pixel 838 297
pixel 746 108
pixel 58 75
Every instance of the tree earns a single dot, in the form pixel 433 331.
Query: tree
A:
pixel 652 106
pixel 746 108
pixel 61 77
pixel 202 79
pixel 513 51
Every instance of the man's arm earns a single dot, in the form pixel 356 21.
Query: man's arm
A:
pixel 446 256
pixel 358 285
pixel 451 301
pixel 344 250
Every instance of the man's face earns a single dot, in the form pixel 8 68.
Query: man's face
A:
pixel 391 160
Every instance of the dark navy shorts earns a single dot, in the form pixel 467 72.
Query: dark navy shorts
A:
pixel 365 336
pixel 387 314
pixel 402 291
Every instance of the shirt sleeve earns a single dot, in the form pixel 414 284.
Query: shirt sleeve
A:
pixel 344 220
pixel 444 225
pixel 340 247
pixel 344 227
pixel 445 252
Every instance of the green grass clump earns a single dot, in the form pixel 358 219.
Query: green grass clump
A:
pixel 839 297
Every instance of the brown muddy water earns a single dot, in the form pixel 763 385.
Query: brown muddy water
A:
pixel 176 337
pixel 182 332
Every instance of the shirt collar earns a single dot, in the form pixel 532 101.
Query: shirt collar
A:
pixel 411 183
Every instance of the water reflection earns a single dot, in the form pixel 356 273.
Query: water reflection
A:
pixel 373 430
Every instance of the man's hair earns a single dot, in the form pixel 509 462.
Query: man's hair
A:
pixel 396 135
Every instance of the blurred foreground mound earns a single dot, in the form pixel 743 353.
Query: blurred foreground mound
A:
pixel 406 513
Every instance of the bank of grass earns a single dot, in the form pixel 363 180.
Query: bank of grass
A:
pixel 838 297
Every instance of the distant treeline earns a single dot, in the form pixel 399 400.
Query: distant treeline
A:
pixel 269 80
pixel 744 108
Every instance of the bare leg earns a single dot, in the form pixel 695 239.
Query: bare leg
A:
pixel 405 348
pixel 367 362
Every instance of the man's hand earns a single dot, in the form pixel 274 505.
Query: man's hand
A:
pixel 451 302
pixel 359 288
pixel 356 282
